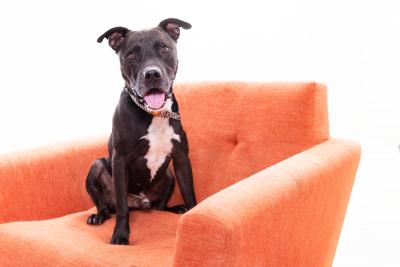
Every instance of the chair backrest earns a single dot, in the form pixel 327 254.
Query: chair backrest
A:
pixel 236 129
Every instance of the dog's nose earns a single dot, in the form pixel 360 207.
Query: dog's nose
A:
pixel 152 74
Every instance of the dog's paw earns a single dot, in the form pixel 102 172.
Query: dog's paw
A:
pixel 96 219
pixel 146 204
pixel 120 238
pixel 178 209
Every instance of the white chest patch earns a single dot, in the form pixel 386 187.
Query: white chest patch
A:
pixel 160 135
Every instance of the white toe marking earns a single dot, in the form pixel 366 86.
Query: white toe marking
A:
pixel 160 135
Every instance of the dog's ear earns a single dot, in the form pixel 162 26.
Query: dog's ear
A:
pixel 172 27
pixel 115 36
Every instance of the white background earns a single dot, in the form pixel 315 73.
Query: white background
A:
pixel 57 83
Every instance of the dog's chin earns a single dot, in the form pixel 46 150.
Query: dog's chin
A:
pixel 155 99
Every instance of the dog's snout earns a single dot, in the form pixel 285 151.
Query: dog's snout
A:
pixel 152 77
pixel 152 74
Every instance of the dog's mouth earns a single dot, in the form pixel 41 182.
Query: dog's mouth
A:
pixel 155 98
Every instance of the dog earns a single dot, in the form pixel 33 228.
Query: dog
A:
pixel 147 133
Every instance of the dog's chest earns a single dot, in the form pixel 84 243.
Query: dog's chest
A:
pixel 160 135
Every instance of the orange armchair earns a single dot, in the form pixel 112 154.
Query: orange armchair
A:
pixel 272 186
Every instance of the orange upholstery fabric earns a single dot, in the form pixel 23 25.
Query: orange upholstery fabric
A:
pixel 285 187
pixel 69 241
pixel 287 215
pixel 245 127
pixel 47 182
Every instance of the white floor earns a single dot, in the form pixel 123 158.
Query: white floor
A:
pixel 371 232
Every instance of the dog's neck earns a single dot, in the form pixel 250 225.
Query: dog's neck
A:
pixel 164 113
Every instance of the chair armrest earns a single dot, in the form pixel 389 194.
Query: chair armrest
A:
pixel 289 214
pixel 47 182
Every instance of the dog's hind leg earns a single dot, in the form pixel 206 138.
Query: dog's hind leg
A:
pixel 100 188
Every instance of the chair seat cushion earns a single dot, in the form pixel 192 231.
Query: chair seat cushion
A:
pixel 69 241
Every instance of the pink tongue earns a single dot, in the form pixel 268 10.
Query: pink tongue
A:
pixel 155 100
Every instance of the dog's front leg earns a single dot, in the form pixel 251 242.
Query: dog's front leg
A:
pixel 184 177
pixel 121 230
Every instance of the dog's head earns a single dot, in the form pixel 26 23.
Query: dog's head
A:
pixel 148 59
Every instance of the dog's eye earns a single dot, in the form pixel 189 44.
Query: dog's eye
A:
pixel 165 50
pixel 132 55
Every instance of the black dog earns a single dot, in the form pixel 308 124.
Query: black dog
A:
pixel 146 132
